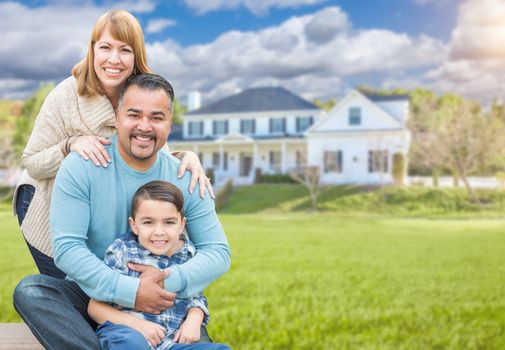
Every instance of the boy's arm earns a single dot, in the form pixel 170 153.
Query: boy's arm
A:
pixel 190 328
pixel 101 312
pixel 213 254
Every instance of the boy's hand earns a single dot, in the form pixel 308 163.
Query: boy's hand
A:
pixel 188 333
pixel 153 332
pixel 190 328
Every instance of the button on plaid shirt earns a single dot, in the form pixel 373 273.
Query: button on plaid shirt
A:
pixel 127 249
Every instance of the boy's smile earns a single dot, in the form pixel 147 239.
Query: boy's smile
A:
pixel 158 226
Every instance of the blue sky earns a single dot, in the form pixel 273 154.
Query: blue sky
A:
pixel 315 48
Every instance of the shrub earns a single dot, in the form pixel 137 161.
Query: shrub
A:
pixel 399 169
pixel 276 179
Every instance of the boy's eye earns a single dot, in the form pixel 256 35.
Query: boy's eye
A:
pixel 148 222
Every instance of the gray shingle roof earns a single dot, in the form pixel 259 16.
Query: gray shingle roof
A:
pixel 257 100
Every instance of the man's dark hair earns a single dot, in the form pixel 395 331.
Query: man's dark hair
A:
pixel 158 191
pixel 151 82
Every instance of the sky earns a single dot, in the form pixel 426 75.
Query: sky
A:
pixel 314 48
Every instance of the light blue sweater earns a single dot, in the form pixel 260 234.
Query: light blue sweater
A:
pixel 90 207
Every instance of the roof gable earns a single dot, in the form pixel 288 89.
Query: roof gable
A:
pixel 373 117
pixel 257 100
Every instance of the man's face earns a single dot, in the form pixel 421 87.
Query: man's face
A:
pixel 143 123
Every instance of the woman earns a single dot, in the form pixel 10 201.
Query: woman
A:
pixel 78 115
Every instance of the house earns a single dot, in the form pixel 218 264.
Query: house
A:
pixel 274 130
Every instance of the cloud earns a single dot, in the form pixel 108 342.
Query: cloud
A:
pixel 312 55
pixel 157 25
pixel 257 7
pixel 476 63
pixel 297 54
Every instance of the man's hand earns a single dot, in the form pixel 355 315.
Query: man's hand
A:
pixel 151 297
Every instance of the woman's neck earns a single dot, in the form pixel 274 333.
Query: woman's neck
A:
pixel 113 97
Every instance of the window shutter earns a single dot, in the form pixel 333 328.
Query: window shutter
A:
pixel 297 124
pixel 214 127
pixel 271 124
pixel 254 126
pixel 283 125
pixel 201 127
pixel 226 127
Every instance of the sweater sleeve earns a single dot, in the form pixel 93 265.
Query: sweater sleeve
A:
pixel 212 258
pixel 43 153
pixel 69 219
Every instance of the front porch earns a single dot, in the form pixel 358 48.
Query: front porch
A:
pixel 238 156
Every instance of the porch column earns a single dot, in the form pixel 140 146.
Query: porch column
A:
pixel 255 157
pixel 221 158
pixel 283 157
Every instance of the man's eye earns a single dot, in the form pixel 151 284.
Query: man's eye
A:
pixel 147 222
pixel 133 115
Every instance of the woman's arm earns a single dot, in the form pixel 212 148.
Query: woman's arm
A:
pixel 101 312
pixel 191 162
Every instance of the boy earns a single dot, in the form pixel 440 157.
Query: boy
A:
pixel 157 222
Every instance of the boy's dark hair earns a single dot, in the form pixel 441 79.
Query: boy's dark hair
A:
pixel 158 191
pixel 151 82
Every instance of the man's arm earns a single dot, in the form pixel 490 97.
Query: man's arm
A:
pixel 70 217
pixel 213 254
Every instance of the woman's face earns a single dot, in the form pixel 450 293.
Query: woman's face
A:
pixel 114 62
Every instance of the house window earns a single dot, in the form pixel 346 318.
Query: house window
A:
pixel 333 161
pixel 220 127
pixel 248 126
pixel 277 125
pixel 196 128
pixel 355 116
pixel 378 161
pixel 275 161
pixel 303 123
pixel 215 160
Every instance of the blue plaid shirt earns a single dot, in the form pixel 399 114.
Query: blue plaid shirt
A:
pixel 127 249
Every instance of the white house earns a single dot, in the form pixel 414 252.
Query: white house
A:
pixel 274 130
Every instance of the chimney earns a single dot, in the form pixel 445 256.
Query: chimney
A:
pixel 194 100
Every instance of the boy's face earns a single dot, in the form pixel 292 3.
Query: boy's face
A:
pixel 158 226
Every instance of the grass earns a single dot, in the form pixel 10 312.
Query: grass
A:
pixel 411 202
pixel 302 281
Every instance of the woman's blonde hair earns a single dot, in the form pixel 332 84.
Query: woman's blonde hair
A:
pixel 124 27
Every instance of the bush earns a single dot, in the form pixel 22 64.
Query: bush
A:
pixel 399 169
pixel 276 179
pixel 223 194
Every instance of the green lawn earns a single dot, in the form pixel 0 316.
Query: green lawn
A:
pixel 302 281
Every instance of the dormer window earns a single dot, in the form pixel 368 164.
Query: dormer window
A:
pixel 355 116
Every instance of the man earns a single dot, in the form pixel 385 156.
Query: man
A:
pixel 90 204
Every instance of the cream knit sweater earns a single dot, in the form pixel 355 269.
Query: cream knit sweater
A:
pixel 63 114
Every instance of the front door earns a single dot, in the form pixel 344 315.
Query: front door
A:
pixel 245 164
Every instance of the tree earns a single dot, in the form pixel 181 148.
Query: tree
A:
pixel 466 140
pixel 25 121
pixel 325 105
pixel 179 111
pixel 308 176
